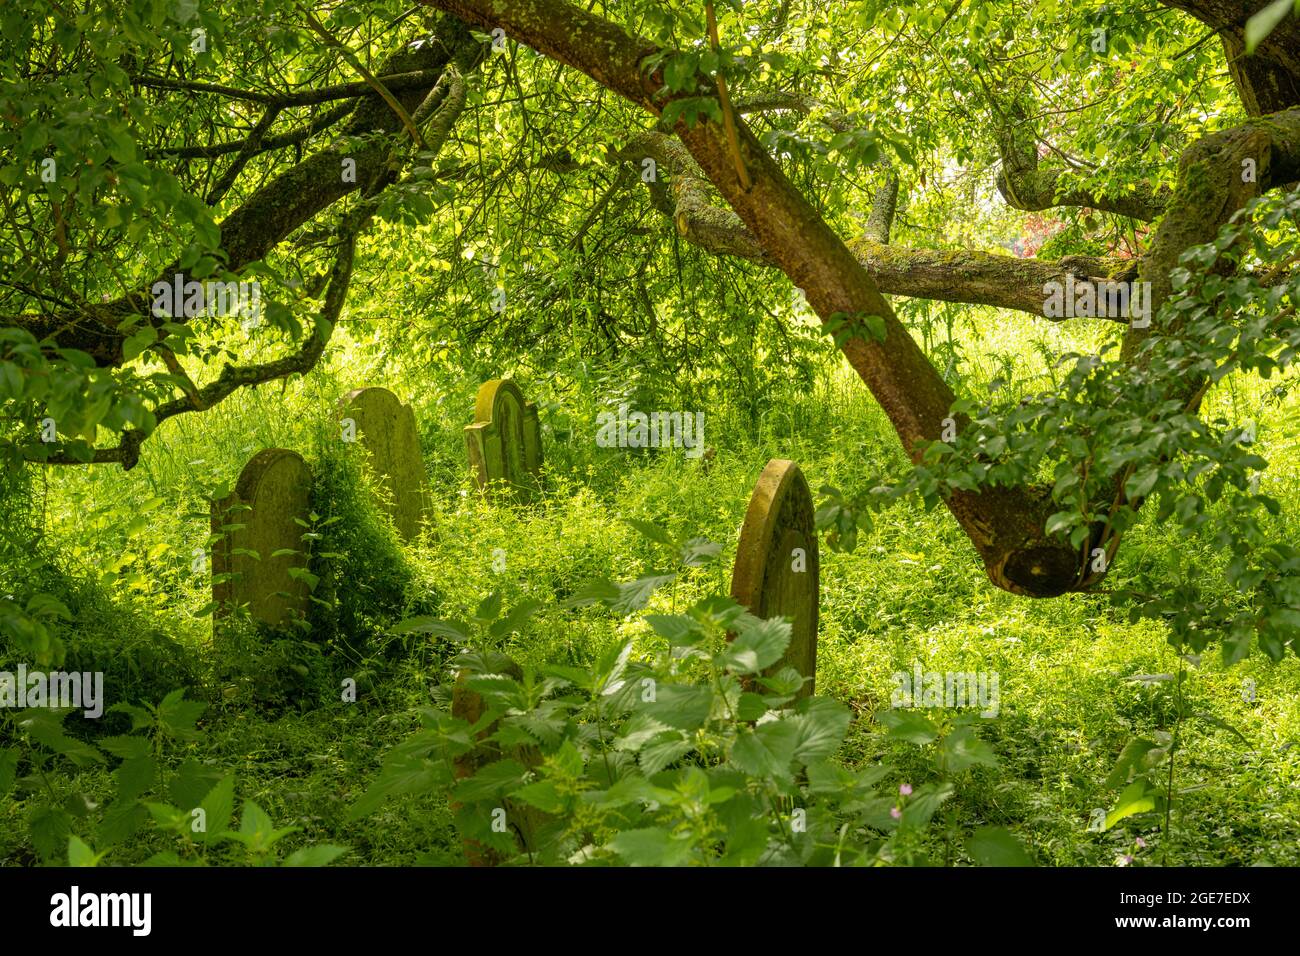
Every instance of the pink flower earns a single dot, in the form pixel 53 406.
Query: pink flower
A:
pixel 905 789
pixel 896 813
pixel 1124 860
pixel 1142 844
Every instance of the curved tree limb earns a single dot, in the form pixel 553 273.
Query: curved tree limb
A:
pixel 1006 525
pixel 963 276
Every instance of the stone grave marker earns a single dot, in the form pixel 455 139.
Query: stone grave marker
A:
pixel 273 489
pixel 386 429
pixel 505 441
pixel 522 820
pixel 776 571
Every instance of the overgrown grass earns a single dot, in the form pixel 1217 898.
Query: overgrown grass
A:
pixel 912 592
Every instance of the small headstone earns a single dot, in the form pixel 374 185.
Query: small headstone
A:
pixel 252 524
pixel 386 429
pixel 522 820
pixel 505 441
pixel 776 571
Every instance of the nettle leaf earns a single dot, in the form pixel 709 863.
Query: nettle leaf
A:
pixel 323 854
pixel 923 804
pixel 652 846
pixel 680 705
pixel 497 779
pixel 179 716
pixel 678 629
pixel 634 595
pixel 514 619
pixel 593 591
pixel 653 532
pixel 662 750
pixel 962 749
pixel 698 552
pixel 450 630
pixel 751 754
pixel 821 724
pixel 544 795
pixel 758 645
pixel 996 846
pixel 489 608
pixel 909 725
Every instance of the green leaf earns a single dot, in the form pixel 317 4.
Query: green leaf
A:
pixel 678 629
pixel 682 706
pixel 126 747
pixel 254 822
pixel 138 341
pixel 652 532
pixel 515 619
pixel 821 724
pixel 451 630
pixel 323 854
pixel 544 795
pixel 1259 26
pixel 758 646
pixel 909 725
pixel 489 608
pixel 1135 798
pixel 996 846
pixel 962 749
pixel 651 846
pixel 491 782
pixel 218 807
pixel 79 854
pixel 593 591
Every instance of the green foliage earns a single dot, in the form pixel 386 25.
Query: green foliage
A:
pixel 690 756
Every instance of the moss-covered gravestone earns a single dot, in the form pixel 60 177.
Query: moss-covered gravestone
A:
pixel 505 441
pixel 776 572
pixel 385 428
pixel 258 542
pixel 520 822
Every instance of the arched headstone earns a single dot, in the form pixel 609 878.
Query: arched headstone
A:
pixel 776 571
pixel 386 429
pixel 505 441
pixel 521 820
pixel 252 524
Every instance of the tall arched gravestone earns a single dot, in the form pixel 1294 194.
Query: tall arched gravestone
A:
pixel 522 820
pixel 252 524
pixel 776 572
pixel 386 429
pixel 505 441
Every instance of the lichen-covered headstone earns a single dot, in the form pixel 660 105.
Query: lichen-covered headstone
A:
pixel 505 441
pixel 776 571
pixel 520 820
pixel 385 428
pixel 258 541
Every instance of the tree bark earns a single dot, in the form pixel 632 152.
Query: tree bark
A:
pixel 1006 525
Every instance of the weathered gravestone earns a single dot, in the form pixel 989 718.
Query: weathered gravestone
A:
pixel 776 572
pixel 505 441
pixel 385 428
pixel 520 821
pixel 256 531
